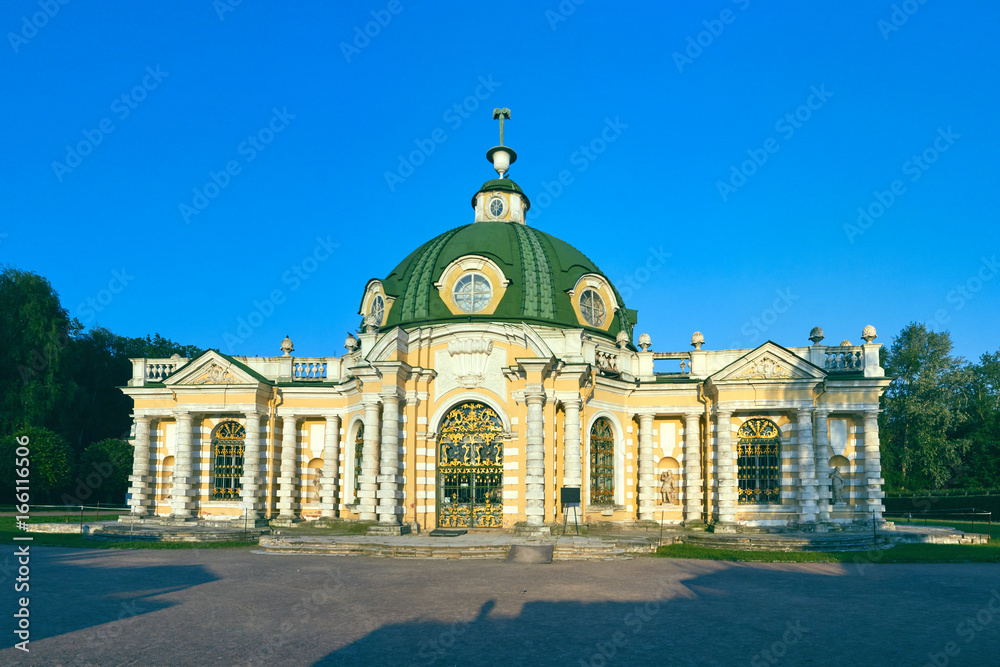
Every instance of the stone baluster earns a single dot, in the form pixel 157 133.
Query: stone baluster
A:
pixel 142 488
pixel 535 459
pixel 250 480
pixel 647 474
pixel 389 494
pixel 331 467
pixel 369 462
pixel 185 486
pixel 692 469
pixel 288 471
pixel 725 468
pixel 807 468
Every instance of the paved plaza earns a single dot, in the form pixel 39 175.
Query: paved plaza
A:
pixel 234 607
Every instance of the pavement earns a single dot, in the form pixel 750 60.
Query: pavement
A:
pixel 237 607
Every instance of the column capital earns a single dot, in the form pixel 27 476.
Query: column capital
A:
pixel 723 413
pixel 804 413
pixel 390 393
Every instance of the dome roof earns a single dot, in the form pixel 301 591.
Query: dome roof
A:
pixel 540 268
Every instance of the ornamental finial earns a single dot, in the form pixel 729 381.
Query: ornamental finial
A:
pixel 501 156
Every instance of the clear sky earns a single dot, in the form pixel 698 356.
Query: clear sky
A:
pixel 169 167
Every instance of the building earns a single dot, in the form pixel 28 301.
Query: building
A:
pixel 496 366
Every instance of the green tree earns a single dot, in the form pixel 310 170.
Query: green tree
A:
pixel 35 334
pixel 923 409
pixel 102 475
pixel 983 432
pixel 50 461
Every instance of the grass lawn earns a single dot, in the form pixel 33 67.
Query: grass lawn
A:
pixel 9 530
pixel 901 553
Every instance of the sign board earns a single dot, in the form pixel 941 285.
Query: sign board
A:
pixel 569 496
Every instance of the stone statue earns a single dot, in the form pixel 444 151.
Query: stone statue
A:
pixel 836 486
pixel 170 486
pixel 317 484
pixel 668 492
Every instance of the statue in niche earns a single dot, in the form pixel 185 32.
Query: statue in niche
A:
pixel 668 491
pixel 169 486
pixel 317 484
pixel 836 486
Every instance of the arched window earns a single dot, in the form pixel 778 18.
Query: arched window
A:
pixel 592 307
pixel 227 458
pixel 359 448
pixel 758 462
pixel 602 463
pixel 472 292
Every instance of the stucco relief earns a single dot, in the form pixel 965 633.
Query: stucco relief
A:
pixel 469 363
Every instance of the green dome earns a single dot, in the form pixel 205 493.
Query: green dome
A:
pixel 540 267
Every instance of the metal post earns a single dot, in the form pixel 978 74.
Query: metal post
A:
pixel 81 519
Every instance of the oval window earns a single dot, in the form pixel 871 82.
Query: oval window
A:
pixel 472 293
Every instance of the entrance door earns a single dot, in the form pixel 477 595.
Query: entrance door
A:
pixel 470 468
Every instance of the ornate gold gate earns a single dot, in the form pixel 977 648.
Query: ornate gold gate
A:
pixel 470 468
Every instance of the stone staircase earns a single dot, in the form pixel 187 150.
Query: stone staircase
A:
pixel 788 541
pixel 123 532
pixel 440 548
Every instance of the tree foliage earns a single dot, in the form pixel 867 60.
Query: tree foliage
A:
pixel 50 462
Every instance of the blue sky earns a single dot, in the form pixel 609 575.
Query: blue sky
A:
pixel 174 167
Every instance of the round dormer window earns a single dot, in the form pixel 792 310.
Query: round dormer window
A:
pixel 472 293
pixel 377 311
pixel 497 207
pixel 592 307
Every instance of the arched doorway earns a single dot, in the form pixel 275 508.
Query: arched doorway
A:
pixel 470 468
pixel 758 462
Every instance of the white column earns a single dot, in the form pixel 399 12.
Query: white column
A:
pixel 725 467
pixel 807 467
pixel 535 454
pixel 572 454
pixel 369 462
pixel 185 486
pixel 289 467
pixel 251 467
pixel 331 467
pixel 821 424
pixel 873 466
pixel 389 494
pixel 647 474
pixel 692 468
pixel 142 488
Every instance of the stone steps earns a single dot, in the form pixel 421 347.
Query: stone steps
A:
pixel 123 532
pixel 277 545
pixel 777 542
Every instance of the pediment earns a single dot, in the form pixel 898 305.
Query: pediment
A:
pixel 769 362
pixel 212 368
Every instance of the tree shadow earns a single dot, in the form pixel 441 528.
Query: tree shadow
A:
pixel 114 595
